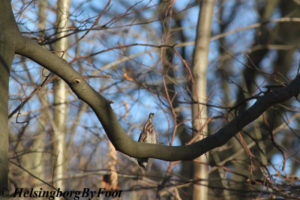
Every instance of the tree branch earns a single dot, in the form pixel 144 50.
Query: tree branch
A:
pixel 115 132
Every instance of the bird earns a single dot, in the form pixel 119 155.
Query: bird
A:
pixel 148 135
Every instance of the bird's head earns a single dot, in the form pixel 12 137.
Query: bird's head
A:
pixel 151 115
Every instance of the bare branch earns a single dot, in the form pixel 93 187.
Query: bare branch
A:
pixel 117 135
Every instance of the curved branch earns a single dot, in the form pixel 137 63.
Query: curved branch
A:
pixel 117 135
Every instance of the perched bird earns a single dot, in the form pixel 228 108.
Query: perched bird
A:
pixel 148 135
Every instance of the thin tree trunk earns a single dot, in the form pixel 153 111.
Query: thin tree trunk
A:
pixel 60 94
pixel 200 63
pixel 36 159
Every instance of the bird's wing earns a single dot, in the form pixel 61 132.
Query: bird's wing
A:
pixel 156 138
pixel 142 136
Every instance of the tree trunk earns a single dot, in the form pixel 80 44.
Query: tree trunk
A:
pixel 60 94
pixel 6 57
pixel 200 63
pixel 8 38
pixel 36 160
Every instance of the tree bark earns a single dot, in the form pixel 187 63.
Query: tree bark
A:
pixel 8 33
pixel 60 94
pixel 6 57
pixel 37 159
pixel 200 63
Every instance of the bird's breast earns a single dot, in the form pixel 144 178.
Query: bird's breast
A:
pixel 151 138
